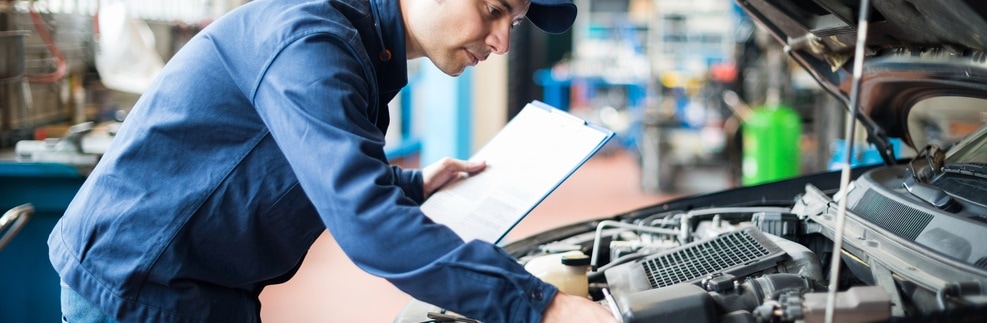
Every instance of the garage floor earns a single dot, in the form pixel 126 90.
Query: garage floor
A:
pixel 329 288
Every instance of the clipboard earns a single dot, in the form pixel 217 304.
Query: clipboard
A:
pixel 534 153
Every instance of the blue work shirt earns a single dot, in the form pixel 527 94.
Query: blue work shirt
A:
pixel 265 129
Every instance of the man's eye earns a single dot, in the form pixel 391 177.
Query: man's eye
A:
pixel 493 10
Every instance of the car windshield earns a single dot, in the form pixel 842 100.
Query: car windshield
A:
pixel 964 170
pixel 944 121
pixel 951 135
pixel 973 150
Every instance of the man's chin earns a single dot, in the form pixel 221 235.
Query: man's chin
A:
pixel 456 70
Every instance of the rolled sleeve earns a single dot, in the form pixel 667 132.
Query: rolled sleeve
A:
pixel 491 284
pixel 411 181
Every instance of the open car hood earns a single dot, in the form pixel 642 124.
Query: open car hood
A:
pixel 916 49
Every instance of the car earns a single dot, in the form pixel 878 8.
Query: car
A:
pixel 908 236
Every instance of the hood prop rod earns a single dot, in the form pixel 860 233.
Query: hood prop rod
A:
pixel 851 127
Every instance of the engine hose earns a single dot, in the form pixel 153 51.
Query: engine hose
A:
pixel 754 292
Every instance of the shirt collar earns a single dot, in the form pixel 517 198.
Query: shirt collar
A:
pixel 394 73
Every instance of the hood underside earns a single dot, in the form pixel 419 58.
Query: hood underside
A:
pixel 916 49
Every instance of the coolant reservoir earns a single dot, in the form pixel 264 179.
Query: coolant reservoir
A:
pixel 567 271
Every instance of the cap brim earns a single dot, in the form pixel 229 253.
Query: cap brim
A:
pixel 552 16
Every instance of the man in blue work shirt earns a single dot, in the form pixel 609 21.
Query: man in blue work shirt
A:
pixel 264 130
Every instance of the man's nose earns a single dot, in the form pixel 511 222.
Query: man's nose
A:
pixel 499 39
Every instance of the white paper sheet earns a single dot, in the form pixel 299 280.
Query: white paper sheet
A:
pixel 526 160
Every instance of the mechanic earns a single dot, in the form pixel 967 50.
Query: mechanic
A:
pixel 265 129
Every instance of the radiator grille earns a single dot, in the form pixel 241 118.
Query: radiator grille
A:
pixel 711 256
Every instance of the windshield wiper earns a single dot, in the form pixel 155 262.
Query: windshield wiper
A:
pixel 915 181
pixel 969 169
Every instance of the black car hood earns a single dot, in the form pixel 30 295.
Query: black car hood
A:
pixel 916 49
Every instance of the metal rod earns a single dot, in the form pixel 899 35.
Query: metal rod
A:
pixel 603 224
pixel 850 133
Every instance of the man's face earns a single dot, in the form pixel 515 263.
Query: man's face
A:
pixel 455 34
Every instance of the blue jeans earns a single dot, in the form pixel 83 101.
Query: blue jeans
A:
pixel 75 308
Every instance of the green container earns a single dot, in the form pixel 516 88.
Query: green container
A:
pixel 771 137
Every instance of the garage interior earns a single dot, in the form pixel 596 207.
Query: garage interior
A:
pixel 673 79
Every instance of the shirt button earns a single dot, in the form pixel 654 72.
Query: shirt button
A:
pixel 536 294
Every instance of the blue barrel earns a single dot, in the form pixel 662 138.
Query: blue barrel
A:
pixel 30 284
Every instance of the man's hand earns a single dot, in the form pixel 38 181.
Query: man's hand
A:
pixel 569 308
pixel 448 170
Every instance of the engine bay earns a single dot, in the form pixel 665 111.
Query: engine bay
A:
pixel 902 258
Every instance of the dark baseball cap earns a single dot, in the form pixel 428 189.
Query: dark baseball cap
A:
pixel 552 16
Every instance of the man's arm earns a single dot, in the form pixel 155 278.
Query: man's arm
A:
pixel 314 101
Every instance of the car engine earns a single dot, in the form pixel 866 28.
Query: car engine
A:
pixel 726 258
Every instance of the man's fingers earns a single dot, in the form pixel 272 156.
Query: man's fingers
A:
pixel 475 167
pixel 448 170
